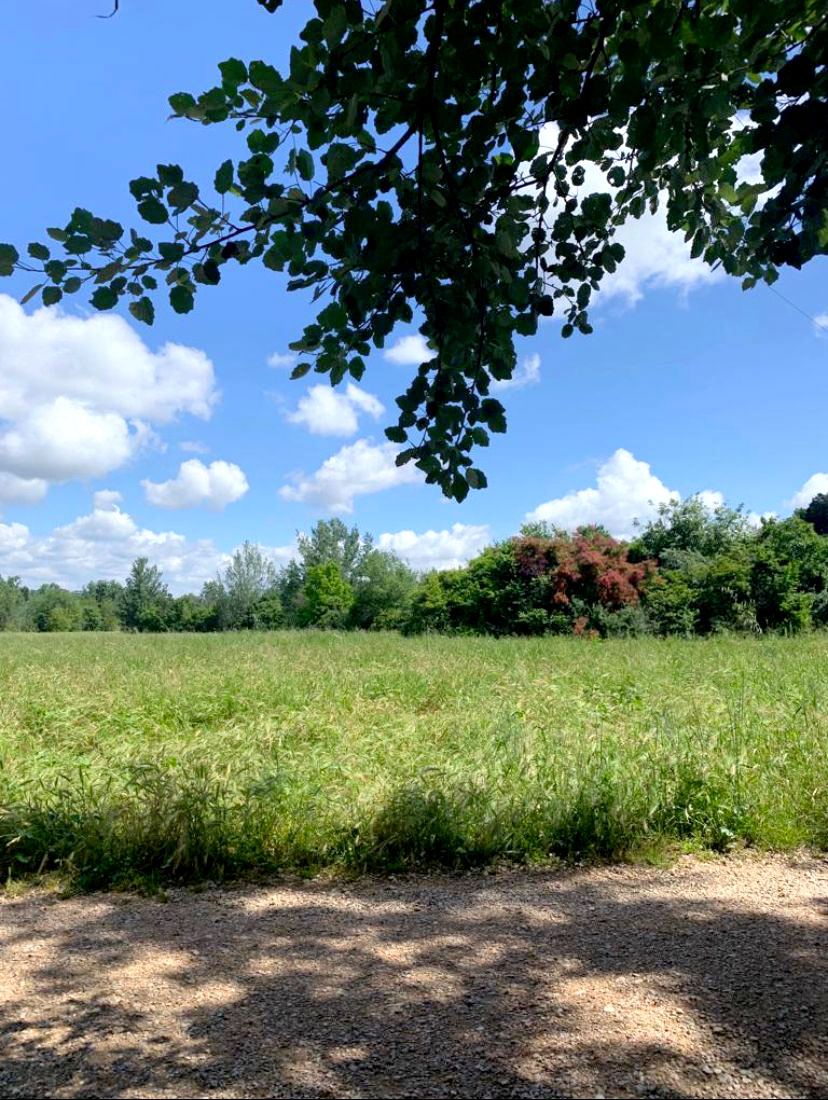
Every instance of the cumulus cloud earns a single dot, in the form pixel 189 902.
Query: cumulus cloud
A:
pixel 63 439
pixel 79 395
pixel 279 360
pixel 214 486
pixel 325 411
pixel 193 447
pixel 816 484
pixel 446 549
pixel 103 545
pixel 22 490
pixel 527 374
pixel 409 351
pixel 626 490
pixel 355 470
pixel 106 500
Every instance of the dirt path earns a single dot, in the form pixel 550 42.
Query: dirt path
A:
pixel 710 979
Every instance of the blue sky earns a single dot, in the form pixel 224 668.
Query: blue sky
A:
pixel 688 384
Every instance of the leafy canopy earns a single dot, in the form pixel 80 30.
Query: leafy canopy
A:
pixel 397 166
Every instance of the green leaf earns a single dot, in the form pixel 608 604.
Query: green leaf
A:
pixel 233 71
pixel 27 297
pixel 181 196
pixel 476 478
pixel 170 251
pixel 300 370
pixel 51 295
pixel 396 435
pixel 304 164
pixel 334 26
pixel 181 299
pixel 170 174
pixel 265 77
pixel 505 245
pixel 143 310
pixel 104 298
pixel 72 285
pixel 151 210
pixel 459 488
pixel 181 103
pixel 224 178
pixel 39 251
pixel 8 258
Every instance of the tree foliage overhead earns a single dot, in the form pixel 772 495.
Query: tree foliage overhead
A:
pixel 397 167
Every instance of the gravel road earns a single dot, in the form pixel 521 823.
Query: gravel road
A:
pixel 706 980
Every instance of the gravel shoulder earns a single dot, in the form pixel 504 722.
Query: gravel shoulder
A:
pixel 709 979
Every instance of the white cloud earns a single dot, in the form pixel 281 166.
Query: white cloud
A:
pixel 821 324
pixel 355 470
pixel 63 439
pixel 325 411
pixel 409 351
pixel 214 486
pixel 527 374
pixel 626 490
pixel 278 360
pixel 22 490
pixel 817 483
pixel 446 549
pixel 193 447
pixel 106 500
pixel 104 544
pixel 79 395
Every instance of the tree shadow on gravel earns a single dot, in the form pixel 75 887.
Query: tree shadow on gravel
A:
pixel 532 985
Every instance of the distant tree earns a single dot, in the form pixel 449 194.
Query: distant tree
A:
pixel 328 597
pixel 52 608
pixel 214 598
pixel 817 513
pixel 429 610
pixel 245 581
pixel 13 597
pixel 540 529
pixel 689 526
pixel 723 592
pixel 790 568
pixel 382 592
pixel 331 541
pixel 91 618
pixel 267 611
pixel 144 598
pixel 670 601
pixel 291 586
pixel 107 597
pixel 189 613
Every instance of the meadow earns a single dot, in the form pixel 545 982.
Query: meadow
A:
pixel 137 759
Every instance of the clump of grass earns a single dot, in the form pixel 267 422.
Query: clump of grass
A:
pixel 126 759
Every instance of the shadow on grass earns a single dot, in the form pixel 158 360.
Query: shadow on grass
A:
pixel 614 983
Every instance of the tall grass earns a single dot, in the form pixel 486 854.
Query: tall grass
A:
pixel 133 758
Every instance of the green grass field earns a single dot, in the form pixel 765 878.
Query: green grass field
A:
pixel 128 759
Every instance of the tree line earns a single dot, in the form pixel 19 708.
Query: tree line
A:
pixel 691 570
